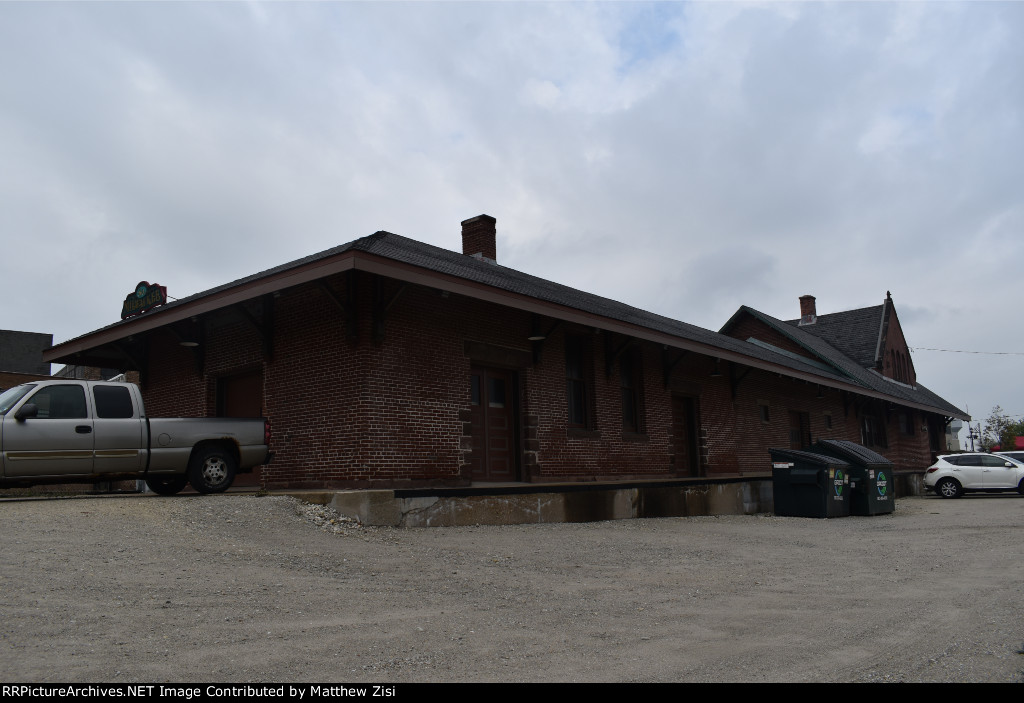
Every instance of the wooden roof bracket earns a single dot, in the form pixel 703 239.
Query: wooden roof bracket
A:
pixel 264 327
pixel 347 310
pixel 382 306
pixel 734 380
pixel 538 344
pixel 138 360
pixel 612 355
pixel 668 366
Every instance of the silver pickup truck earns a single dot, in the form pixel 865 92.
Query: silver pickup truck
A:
pixel 82 431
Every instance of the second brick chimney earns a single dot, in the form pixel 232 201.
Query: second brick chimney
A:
pixel 808 310
pixel 478 238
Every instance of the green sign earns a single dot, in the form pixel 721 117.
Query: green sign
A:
pixel 146 296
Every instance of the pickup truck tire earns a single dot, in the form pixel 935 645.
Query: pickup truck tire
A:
pixel 212 470
pixel 167 486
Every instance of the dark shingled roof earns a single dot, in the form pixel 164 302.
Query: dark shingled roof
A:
pixel 393 246
pixel 854 332
pixel 850 367
pixel 409 251
pixel 443 261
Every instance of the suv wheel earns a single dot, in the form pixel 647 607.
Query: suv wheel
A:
pixel 949 488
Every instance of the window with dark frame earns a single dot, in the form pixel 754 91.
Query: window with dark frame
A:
pixel 762 411
pixel 576 388
pixel 907 423
pixel 632 398
pixel 873 432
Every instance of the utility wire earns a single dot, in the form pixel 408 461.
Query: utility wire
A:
pixel 961 351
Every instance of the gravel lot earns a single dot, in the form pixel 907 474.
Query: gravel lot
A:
pixel 263 589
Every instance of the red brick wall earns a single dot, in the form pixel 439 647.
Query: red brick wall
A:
pixel 392 411
pixel 896 342
pixel 171 386
pixel 606 450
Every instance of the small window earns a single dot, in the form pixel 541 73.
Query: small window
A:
pixel 828 421
pixel 113 401
pixel 873 432
pixel 495 393
pixel 765 415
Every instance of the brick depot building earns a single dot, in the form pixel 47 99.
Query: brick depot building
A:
pixel 387 362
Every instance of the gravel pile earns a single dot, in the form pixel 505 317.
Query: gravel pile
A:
pixel 327 519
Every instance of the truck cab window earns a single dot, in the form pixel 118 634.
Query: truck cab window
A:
pixel 60 403
pixel 113 402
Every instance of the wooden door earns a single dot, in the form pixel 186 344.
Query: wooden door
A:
pixel 684 435
pixel 241 395
pixel 492 401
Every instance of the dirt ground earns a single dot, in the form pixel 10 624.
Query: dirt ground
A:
pixel 264 589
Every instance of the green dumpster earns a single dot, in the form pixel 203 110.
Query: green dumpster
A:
pixel 806 484
pixel 871 476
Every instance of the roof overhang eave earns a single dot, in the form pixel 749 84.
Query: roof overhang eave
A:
pixel 67 352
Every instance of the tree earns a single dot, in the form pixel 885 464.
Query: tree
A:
pixel 1000 429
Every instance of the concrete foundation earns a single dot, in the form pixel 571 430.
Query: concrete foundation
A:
pixel 564 503
pixel 511 505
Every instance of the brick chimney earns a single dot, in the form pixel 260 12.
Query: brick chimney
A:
pixel 478 238
pixel 808 311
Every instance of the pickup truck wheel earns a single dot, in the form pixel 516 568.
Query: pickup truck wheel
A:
pixel 211 470
pixel 167 486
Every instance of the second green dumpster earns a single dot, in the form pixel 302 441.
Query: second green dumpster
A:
pixel 871 478
pixel 809 485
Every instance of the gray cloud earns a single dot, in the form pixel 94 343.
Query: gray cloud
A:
pixel 685 158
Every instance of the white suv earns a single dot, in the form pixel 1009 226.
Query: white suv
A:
pixel 953 474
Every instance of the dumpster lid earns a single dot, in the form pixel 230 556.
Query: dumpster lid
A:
pixel 851 452
pixel 805 457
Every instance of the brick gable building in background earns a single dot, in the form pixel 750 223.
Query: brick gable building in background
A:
pixel 387 362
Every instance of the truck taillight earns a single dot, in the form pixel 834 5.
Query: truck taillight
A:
pixel 266 431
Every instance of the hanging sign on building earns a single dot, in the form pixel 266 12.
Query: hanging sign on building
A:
pixel 146 296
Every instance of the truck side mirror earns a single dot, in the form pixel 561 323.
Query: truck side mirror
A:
pixel 26 411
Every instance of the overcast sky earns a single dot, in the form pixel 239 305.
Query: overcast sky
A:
pixel 685 158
